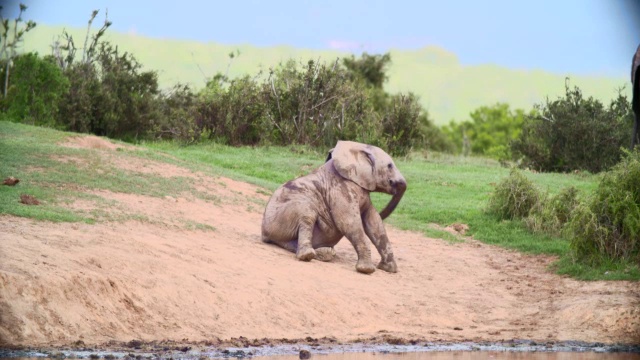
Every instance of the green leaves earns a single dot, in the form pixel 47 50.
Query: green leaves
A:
pixel 575 133
pixel 489 132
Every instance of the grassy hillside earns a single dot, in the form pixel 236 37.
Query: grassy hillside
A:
pixel 448 89
pixel 443 190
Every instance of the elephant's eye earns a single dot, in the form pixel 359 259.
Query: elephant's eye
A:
pixel 390 166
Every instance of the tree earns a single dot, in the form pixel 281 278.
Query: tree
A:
pixel 370 68
pixel 10 39
pixel 489 132
pixel 575 133
pixel 65 53
pixel 37 86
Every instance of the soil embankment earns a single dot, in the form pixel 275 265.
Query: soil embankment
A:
pixel 156 279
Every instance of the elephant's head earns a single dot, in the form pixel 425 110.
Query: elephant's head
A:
pixel 371 168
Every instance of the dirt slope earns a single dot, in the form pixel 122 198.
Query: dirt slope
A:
pixel 156 279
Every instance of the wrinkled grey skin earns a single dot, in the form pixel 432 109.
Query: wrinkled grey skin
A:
pixel 311 214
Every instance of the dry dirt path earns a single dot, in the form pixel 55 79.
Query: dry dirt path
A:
pixel 155 280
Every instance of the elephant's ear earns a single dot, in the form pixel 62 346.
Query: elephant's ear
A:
pixel 329 155
pixel 355 161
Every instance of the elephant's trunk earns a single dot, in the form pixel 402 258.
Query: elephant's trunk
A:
pixel 400 188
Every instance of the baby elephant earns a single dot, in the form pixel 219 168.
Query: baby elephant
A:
pixel 310 214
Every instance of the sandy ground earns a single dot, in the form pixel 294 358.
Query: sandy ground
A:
pixel 157 279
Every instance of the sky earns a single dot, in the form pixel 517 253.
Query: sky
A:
pixel 586 37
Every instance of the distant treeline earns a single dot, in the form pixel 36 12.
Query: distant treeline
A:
pixel 101 90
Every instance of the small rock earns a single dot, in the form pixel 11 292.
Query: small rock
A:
pixel 460 228
pixel 29 200
pixel 305 354
pixel 11 181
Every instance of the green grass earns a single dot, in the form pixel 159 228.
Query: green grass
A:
pixel 442 189
pixel 32 155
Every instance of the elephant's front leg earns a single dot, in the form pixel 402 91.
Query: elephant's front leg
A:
pixel 305 250
pixel 374 228
pixel 350 224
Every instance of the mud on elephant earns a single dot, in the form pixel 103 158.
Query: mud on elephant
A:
pixel 311 214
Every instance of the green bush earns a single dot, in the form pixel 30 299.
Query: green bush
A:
pixel 108 93
pixel 36 88
pixel 178 114
pixel 77 107
pixel 574 133
pixel 314 104
pixel 489 132
pixel 514 197
pixel 607 226
pixel 551 214
pixel 371 69
pixel 401 123
pixel 110 96
pixel 231 111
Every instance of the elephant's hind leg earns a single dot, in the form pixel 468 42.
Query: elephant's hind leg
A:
pixel 305 250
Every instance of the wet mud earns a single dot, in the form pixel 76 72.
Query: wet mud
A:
pixel 241 348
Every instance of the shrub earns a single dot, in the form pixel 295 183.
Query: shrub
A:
pixel 608 225
pixel 76 109
pixel 514 197
pixel 401 124
pixel 231 111
pixel 111 96
pixel 551 214
pixel 369 68
pixel 489 131
pixel 177 120
pixel 36 88
pixel 574 133
pixel 315 105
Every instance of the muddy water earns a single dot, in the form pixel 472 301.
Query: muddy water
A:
pixel 468 355
pixel 510 350
pixel 437 355
pixel 375 352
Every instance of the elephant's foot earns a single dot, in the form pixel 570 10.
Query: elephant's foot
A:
pixel 305 253
pixel 325 254
pixel 365 267
pixel 388 266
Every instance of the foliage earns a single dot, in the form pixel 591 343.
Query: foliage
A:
pixel 316 105
pixel 489 132
pixel 402 123
pixel 36 89
pixel 10 39
pixel 370 68
pixel 514 197
pixel 177 114
pixel 552 212
pixel 233 114
pixel 607 226
pixel 311 103
pixel 574 133
pixel 111 96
